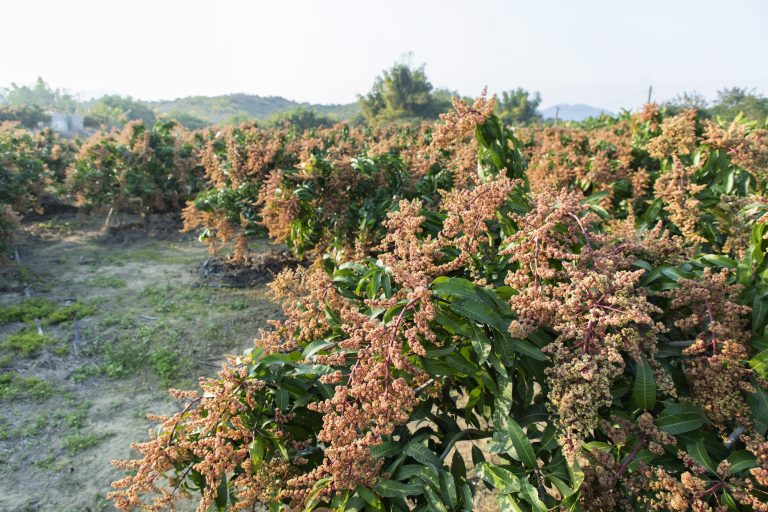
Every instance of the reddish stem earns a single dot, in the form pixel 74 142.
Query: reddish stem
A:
pixel 536 265
pixel 624 465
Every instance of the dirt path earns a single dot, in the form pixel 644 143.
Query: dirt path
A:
pixel 75 398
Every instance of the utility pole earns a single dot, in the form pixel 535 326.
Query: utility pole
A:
pixel 557 114
pixel 650 92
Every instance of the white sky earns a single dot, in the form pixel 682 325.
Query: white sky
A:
pixel 601 52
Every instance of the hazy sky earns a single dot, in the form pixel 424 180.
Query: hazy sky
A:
pixel 604 53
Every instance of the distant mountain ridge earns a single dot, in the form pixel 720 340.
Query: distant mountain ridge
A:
pixel 218 109
pixel 576 112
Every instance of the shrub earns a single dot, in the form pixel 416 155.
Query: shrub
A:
pixel 611 363
pixel 140 169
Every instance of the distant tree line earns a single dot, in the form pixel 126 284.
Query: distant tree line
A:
pixel 401 94
pixel 728 104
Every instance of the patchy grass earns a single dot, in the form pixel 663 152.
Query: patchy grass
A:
pixel 31 309
pixel 78 442
pixel 26 342
pixel 146 325
pixel 27 310
pixel 153 347
pixel 15 387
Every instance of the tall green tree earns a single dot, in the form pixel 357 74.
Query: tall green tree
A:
pixel 732 101
pixel 519 106
pixel 403 93
pixel 115 110
pixel 40 94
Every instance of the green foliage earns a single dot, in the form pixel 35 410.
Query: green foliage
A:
pixel 40 94
pixel 143 169
pixel 234 109
pixel 30 165
pixel 26 342
pixel 16 387
pixel 116 111
pixel 735 100
pixel 29 116
pixel 78 442
pixel 301 118
pixel 39 308
pixel 402 93
pixel 480 357
pixel 518 106
pixel 187 120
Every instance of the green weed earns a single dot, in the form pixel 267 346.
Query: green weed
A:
pixel 13 387
pixel 79 441
pixel 26 342
pixel 44 309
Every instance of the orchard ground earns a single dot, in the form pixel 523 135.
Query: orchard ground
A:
pixel 124 316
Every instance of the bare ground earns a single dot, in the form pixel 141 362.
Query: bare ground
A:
pixel 149 321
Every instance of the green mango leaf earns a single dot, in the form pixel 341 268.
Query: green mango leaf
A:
pixel 681 417
pixel 758 403
pixel 222 495
pixel 315 347
pixel 391 489
pixel 422 454
pixel 507 345
pixel 435 503
pixel 508 503
pixel 458 467
pixel 256 451
pixel 522 444
pixel 719 260
pixel 448 489
pixel 371 499
pixel 531 495
pixel 502 480
pixel 699 453
pixel 742 460
pixel 759 312
pixel 759 363
pixel 386 449
pixel 645 385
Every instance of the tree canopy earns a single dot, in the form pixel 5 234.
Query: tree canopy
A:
pixel 403 93
pixel 40 94
pixel 115 110
pixel 732 101
pixel 519 106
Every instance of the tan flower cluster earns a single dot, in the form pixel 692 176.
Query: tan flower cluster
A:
pixel 279 207
pixel 597 319
pixel 608 485
pixel 218 451
pixel 578 282
pixel 650 113
pixel 550 232
pixel 676 188
pixel 587 159
pixel 752 492
pixel 303 293
pixel 461 122
pixel 678 136
pixel 711 314
pixel 748 148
